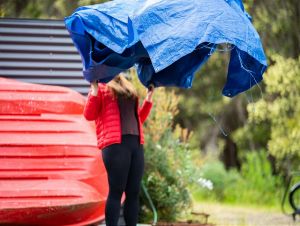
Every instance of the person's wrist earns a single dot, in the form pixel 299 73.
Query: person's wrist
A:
pixel 94 88
pixel 149 98
pixel 94 93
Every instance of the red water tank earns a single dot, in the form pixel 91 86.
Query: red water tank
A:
pixel 51 171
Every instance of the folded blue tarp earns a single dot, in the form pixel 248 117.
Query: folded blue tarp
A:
pixel 167 40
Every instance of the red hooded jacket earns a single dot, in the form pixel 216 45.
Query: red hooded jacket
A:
pixel 104 109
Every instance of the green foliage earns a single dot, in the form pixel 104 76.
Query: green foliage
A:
pixel 254 185
pixel 167 176
pixel 281 107
pixel 257 185
pixel 91 2
pixel 278 24
pixel 217 174
pixel 278 112
pixel 252 136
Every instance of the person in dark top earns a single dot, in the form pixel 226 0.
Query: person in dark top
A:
pixel 118 117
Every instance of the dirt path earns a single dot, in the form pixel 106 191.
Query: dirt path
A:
pixel 224 215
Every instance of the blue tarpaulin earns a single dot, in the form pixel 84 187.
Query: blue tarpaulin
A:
pixel 167 41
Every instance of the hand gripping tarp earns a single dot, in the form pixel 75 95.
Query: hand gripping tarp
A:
pixel 167 40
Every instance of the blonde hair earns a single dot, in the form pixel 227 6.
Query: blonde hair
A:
pixel 121 87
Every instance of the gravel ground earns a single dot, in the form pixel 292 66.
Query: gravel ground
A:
pixel 225 215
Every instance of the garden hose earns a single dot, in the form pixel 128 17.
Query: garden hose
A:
pixel 151 204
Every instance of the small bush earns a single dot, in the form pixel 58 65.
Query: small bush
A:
pixel 215 172
pixel 254 185
pixel 169 168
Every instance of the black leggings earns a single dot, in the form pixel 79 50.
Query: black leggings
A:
pixel 124 164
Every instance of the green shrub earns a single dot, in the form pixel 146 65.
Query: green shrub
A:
pixel 257 184
pixel 273 121
pixel 215 172
pixel 169 168
pixel 254 185
pixel 169 171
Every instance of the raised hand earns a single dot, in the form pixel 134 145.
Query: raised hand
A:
pixel 150 92
pixel 94 88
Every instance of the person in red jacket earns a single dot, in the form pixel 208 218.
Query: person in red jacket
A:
pixel 119 118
